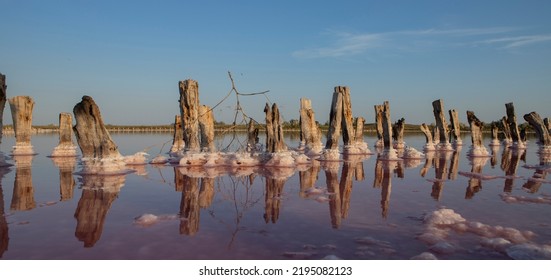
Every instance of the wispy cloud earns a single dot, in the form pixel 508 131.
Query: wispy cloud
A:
pixel 350 44
pixel 518 41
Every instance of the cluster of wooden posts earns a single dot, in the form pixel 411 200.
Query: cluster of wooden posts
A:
pixel 193 141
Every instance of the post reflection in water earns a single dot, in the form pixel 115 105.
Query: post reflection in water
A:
pixel 383 177
pixel 533 184
pixel 4 236
pixel 189 206
pixel 275 182
pixel 332 179
pixel 98 193
pixel 440 172
pixel 510 159
pixel 475 182
pixel 23 192
pixel 308 178
pixel 67 182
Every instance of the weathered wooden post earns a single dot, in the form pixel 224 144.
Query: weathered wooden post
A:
pixel 436 136
pixel 477 149
pixel 398 133
pixel 456 128
pixel 438 110
pixel 513 126
pixel 178 144
pixel 387 126
pixel 539 126
pixel 252 137
pixel 379 109
pixel 507 139
pixel 66 147
pixel 274 131
pixel 206 125
pixel 189 111
pixel 429 145
pixel 335 120
pixel 310 131
pixel 22 115
pixel 100 154
pixel 359 146
pixel 348 131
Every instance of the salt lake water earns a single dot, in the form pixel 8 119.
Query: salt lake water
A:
pixel 361 208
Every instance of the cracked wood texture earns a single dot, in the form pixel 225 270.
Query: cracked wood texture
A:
pixel 438 110
pixel 189 110
pixel 93 138
pixel 476 129
pixel 22 115
pixel 539 126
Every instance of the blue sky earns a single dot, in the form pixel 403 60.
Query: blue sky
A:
pixel 130 55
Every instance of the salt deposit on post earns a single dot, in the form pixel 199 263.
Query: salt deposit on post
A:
pixel 100 155
pixel 66 147
pixel 429 145
pixel 22 115
pixel 477 149
pixel 438 110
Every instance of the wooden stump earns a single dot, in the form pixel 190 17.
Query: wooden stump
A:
pixel 92 136
pixel 438 110
pixel 398 133
pixel 428 135
pixel 539 126
pixel 274 131
pixel 359 130
pixel 3 91
pixel 495 132
pixel 206 125
pixel 22 115
pixel 506 131
pixel 335 120
pixel 476 126
pixel 178 136
pixel 512 122
pixel 189 111
pixel 252 136
pixel 310 131
pixel 348 131
pixel 379 109
pixel 66 147
pixel 387 125
pixel 456 128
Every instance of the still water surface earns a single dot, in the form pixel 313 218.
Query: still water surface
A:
pixel 364 209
